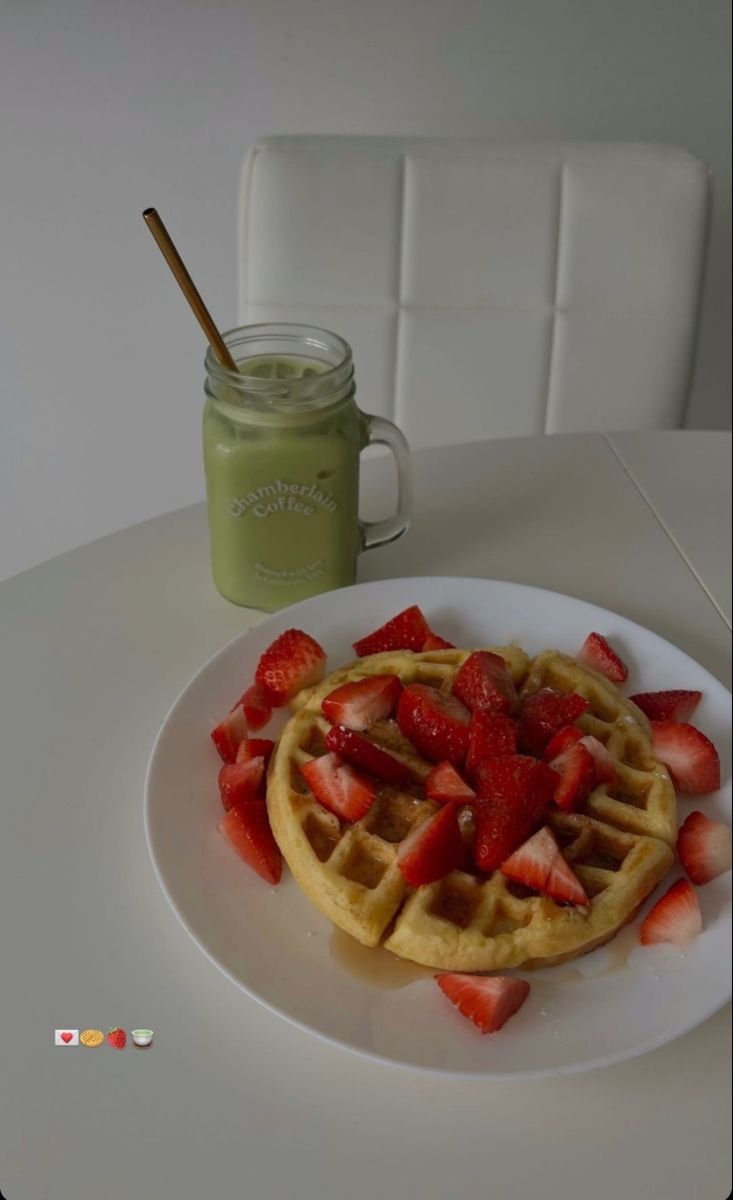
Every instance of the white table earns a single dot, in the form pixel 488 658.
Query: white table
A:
pixel 232 1102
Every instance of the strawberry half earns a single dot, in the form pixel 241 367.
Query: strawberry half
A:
pixel 577 770
pixel 433 849
pixel 359 705
pixel 539 864
pixel 240 782
pixel 229 733
pixel 338 787
pixel 256 748
pixel 247 827
pixel 487 1000
pixel 293 661
pixel 436 723
pixel 561 741
pixel 484 682
pixel 690 756
pixel 407 631
pixel 490 736
pixel 603 760
pixel 704 847
pixel 672 705
pixel 544 712
pixel 596 653
pixel 675 918
pixel 257 708
pixel 444 784
pixel 362 753
pixel 514 793
pixel 433 642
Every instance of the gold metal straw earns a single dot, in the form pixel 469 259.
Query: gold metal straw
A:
pixel 188 287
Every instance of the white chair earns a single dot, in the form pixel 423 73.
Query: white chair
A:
pixel 488 289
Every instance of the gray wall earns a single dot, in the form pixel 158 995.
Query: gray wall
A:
pixel 110 105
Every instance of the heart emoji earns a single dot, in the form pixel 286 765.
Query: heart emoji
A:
pixel 66 1037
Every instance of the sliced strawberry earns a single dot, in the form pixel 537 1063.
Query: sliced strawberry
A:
pixel 433 642
pixel 539 864
pixel 561 741
pixel 444 784
pixel 672 705
pixel 514 793
pixel 578 776
pixel 487 1000
pixel 256 748
pixel 689 755
pixel 433 849
pixel 293 661
pixel 543 713
pixel 257 708
pixel 359 705
pixel 229 733
pixel 675 918
pixel 407 631
pixel 248 829
pixel 362 753
pixel 490 736
pixel 704 847
pixel 484 682
pixel 604 764
pixel 239 782
pixel 338 787
pixel 596 653
pixel 436 723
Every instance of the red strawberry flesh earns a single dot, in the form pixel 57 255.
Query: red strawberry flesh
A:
pixel 691 757
pixel 407 631
pixel 256 748
pixel 240 782
pixel 490 736
pixel 539 864
pixel 484 682
pixel 598 654
pixel 247 827
pixel 433 642
pixel 576 768
pixel 437 724
pixel 360 752
pixel 487 1000
pixel 444 784
pixel 229 733
pixel 339 787
pixel 675 918
pixel 673 705
pixel 432 850
pixel 293 661
pixel 704 847
pixel 544 712
pixel 514 793
pixel 358 705
pixel 257 708
pixel 561 741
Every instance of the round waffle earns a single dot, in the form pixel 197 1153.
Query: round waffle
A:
pixel 618 844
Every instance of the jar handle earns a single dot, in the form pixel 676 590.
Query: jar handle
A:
pixel 379 533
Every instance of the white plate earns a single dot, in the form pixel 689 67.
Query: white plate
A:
pixel 617 1002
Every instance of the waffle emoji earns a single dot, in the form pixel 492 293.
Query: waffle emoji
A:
pixel 618 844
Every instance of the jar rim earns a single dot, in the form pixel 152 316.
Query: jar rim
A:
pixel 299 334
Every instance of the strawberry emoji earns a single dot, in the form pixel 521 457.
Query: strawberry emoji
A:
pixel 117 1038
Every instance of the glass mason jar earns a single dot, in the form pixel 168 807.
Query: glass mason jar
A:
pixel 282 440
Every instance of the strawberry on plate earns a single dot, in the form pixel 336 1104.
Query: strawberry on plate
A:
pixel 704 847
pixel 229 733
pixel 675 918
pixel 257 708
pixel 603 760
pixel 339 787
pixel 577 771
pixel 444 784
pixel 673 705
pixel 240 782
pixel 255 748
pixel 484 682
pixel 437 724
pixel 358 705
pixel 513 795
pixel 407 631
pixel 490 736
pixel 561 741
pixel 544 712
pixel 691 757
pixel 433 849
pixel 247 827
pixel 598 654
pixel 539 864
pixel 360 752
pixel 293 661
pixel 487 1000
pixel 434 642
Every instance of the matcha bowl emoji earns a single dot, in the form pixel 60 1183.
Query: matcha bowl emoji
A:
pixel 142 1038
